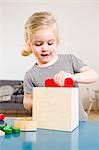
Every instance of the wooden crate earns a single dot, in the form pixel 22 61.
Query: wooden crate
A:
pixel 56 108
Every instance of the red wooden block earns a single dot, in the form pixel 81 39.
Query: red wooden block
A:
pixel 68 82
pixel 50 83
pixel 2 116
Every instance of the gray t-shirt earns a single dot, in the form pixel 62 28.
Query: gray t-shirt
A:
pixel 36 76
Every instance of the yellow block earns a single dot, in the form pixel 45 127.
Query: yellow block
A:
pixel 25 125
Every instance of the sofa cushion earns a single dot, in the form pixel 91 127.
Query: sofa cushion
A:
pixel 19 99
pixel 6 92
pixel 13 99
pixel 5 98
pixel 10 82
pixel 18 90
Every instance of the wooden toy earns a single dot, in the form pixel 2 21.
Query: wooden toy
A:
pixel 7 129
pixel 2 126
pixel 2 133
pixel 2 122
pixel 15 130
pixel 2 116
pixel 56 108
pixel 50 83
pixel 25 124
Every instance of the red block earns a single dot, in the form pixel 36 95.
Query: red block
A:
pixel 69 82
pixel 50 83
pixel 2 116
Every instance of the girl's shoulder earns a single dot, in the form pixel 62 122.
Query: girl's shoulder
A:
pixel 30 70
pixel 66 56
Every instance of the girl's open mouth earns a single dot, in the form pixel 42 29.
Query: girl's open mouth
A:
pixel 44 55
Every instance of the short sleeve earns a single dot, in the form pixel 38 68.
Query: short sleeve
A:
pixel 28 86
pixel 77 63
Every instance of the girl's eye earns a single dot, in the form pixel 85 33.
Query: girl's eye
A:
pixel 38 44
pixel 50 43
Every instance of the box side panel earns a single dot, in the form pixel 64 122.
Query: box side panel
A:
pixel 52 108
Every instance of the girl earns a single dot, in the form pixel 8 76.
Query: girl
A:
pixel 42 40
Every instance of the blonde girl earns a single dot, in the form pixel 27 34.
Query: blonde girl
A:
pixel 42 38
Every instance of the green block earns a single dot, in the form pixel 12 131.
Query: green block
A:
pixel 15 130
pixel 1 127
pixel 7 128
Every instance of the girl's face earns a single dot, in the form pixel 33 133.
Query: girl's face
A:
pixel 44 46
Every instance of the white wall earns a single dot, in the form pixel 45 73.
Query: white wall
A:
pixel 98 42
pixel 79 32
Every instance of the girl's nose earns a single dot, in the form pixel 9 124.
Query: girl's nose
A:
pixel 44 47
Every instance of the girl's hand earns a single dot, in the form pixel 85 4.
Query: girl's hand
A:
pixel 60 77
pixel 27 101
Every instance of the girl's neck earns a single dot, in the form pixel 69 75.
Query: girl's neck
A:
pixel 49 63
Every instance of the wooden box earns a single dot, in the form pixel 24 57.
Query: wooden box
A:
pixel 56 108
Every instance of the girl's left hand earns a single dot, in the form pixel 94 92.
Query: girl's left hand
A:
pixel 60 77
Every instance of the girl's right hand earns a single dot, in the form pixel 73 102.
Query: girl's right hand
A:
pixel 60 77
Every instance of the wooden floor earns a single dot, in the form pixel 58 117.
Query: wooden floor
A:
pixel 94 115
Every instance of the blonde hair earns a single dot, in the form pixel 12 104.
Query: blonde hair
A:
pixel 37 21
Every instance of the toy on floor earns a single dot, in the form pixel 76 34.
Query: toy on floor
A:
pixel 25 124
pixel 2 133
pixel 8 129
pixel 2 116
pixel 50 83
pixel 2 125
pixel 15 130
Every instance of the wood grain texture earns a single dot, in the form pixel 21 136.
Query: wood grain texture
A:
pixel 25 125
pixel 56 108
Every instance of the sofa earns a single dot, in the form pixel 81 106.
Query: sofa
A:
pixel 11 99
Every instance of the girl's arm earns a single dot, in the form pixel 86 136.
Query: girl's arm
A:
pixel 86 75
pixel 27 101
